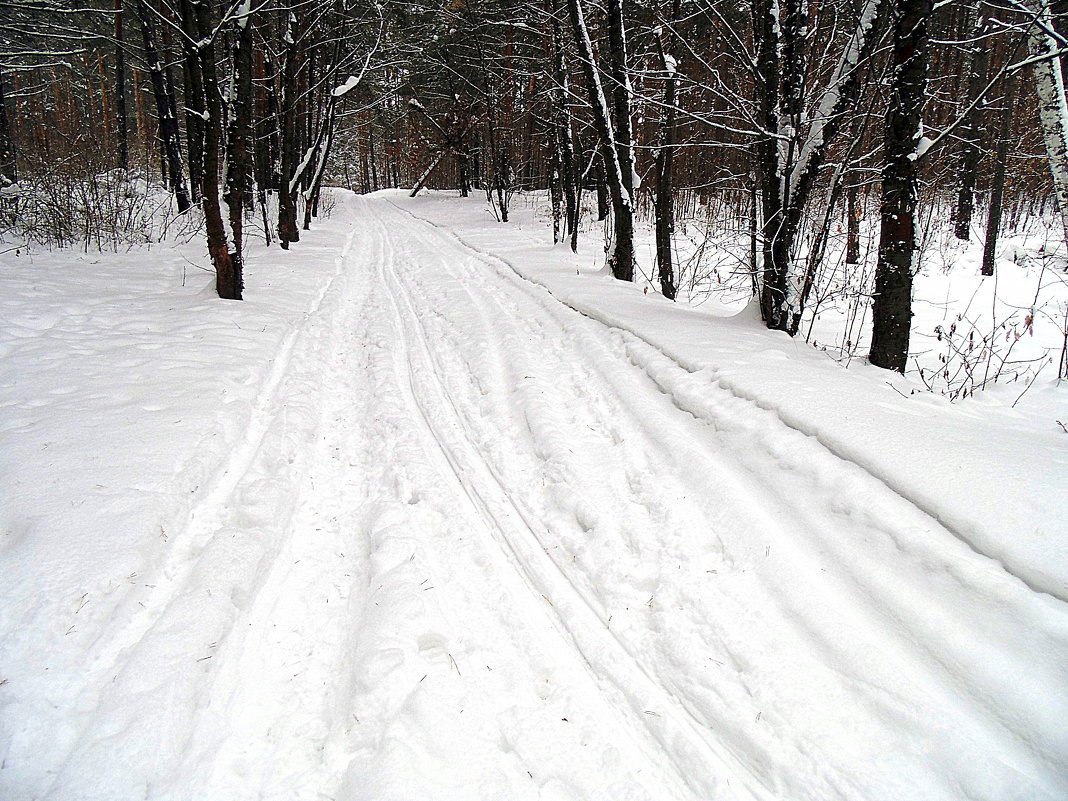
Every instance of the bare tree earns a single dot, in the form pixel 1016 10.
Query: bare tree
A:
pixel 892 308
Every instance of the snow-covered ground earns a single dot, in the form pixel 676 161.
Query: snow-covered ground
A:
pixel 403 525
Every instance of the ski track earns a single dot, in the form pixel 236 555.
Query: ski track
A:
pixel 478 545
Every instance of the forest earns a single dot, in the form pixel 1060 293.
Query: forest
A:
pixel 804 155
pixel 533 400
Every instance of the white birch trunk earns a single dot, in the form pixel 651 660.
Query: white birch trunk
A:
pixel 1052 106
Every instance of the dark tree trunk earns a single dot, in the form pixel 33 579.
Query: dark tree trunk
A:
pixel 754 228
pixel 462 165
pixel 601 186
pixel 196 18
pixel 556 195
pixel 374 162
pixel 288 114
pixel 261 159
pixel 852 255
pixel 622 256
pixel 121 127
pixel 665 213
pixel 9 173
pixel 324 144
pixel 570 180
pixel 774 268
pixel 892 308
pixel 971 130
pixel 168 124
pixel 172 98
pixel 194 101
pixel 997 186
pixel 237 152
pixel 615 143
pixel 786 169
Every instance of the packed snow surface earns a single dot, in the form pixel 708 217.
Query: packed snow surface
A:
pixel 406 525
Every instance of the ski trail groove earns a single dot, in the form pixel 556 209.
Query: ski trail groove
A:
pixel 712 382
pixel 787 466
pixel 573 616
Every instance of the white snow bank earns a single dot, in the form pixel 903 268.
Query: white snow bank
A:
pixel 130 394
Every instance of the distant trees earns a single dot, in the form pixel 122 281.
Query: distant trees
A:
pixel 791 117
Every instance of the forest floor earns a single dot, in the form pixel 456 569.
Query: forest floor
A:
pixel 442 512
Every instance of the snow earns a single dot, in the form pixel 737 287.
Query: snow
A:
pixel 403 525
pixel 350 83
pixel 922 146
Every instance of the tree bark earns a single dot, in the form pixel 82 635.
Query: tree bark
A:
pixel 194 98
pixel 9 173
pixel 971 130
pixel 1052 104
pixel 238 167
pixel 288 124
pixel 787 162
pixel 168 124
pixel 121 126
pixel 615 154
pixel 622 256
pixel 665 155
pixel 852 254
pixel 570 179
pixel 892 308
pixel 997 184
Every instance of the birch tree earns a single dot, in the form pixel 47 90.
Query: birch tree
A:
pixel 1046 48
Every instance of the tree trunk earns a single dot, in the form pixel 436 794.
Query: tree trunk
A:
pixel 194 98
pixel 1052 104
pixel 196 17
pixel 997 186
pixel 374 163
pixel 789 163
pixel 601 183
pixel 665 155
pixel 168 124
pixel 621 257
pixel 852 254
pixel 237 152
pixel 971 130
pixel 9 173
pixel 774 268
pixel 261 159
pixel 122 129
pixel 288 114
pixel 615 154
pixel 892 308
pixel 570 179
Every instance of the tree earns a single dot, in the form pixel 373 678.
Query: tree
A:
pixel 794 141
pixel 904 143
pixel 1046 48
pixel 665 155
pixel 164 96
pixel 615 140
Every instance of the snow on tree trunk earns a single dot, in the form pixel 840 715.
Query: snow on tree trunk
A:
pixel 168 124
pixel 665 217
pixel 1052 106
pixel 617 175
pixel 892 308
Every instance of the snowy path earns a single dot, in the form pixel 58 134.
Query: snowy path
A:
pixel 476 545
